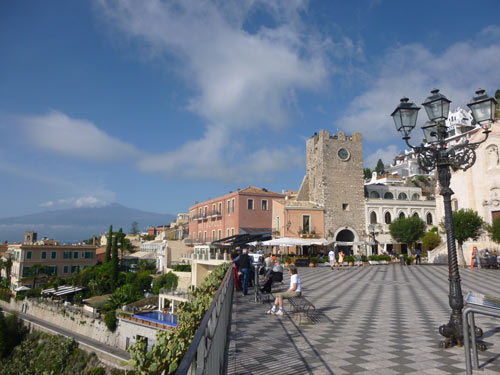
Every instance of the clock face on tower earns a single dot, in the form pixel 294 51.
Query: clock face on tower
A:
pixel 343 154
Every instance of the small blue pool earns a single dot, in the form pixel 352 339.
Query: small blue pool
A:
pixel 158 317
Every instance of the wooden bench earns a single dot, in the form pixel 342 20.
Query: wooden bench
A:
pixel 302 306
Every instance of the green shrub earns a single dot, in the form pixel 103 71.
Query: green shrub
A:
pixel 97 371
pixel 314 260
pixel 167 281
pixel 349 259
pixel 110 320
pixel 41 353
pixel 165 355
pixel 5 295
pixel 409 260
pixel 182 268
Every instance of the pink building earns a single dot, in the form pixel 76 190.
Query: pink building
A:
pixel 246 210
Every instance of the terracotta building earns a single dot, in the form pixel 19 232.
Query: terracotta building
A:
pixel 246 210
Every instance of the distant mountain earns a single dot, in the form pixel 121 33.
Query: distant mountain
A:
pixel 78 224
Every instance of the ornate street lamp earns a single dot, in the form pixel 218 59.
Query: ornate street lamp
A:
pixel 437 154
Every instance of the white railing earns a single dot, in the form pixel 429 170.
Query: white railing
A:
pixel 206 354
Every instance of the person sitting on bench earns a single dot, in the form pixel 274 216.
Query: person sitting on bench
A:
pixel 295 290
pixel 274 274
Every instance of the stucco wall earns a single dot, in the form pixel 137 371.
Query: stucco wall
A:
pixel 478 188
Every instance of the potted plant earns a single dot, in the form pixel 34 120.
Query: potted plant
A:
pixel 313 261
pixel 287 261
pixel 349 260
pixel 373 259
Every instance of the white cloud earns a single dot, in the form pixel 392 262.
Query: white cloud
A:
pixel 46 204
pixel 217 157
pixel 387 155
pixel 412 71
pixel 243 79
pixel 77 138
pixel 79 202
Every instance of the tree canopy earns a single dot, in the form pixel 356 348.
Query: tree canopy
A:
pixel 494 230
pixel 367 173
pixel 431 240
pixel 134 228
pixel 380 167
pixel 407 230
pixel 468 225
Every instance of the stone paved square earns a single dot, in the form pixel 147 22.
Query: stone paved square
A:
pixel 372 320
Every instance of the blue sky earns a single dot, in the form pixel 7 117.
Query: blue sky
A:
pixel 135 102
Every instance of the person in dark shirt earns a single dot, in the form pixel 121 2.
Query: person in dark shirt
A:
pixel 244 263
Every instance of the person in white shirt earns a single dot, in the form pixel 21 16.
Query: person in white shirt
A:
pixel 295 290
pixel 331 257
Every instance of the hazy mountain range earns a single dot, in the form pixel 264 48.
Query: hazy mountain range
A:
pixel 78 224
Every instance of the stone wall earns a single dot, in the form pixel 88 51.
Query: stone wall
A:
pixel 82 324
pixel 337 183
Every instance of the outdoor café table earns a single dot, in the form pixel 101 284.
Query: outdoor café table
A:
pixel 479 304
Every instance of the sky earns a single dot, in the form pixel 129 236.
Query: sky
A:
pixel 158 104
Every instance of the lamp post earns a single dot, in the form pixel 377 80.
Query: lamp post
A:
pixel 372 229
pixel 437 154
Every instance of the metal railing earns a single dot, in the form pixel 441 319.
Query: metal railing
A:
pixel 207 351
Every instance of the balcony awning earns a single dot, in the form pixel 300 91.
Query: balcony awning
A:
pixel 288 241
pixel 62 290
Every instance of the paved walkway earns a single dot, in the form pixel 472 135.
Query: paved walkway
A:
pixel 371 320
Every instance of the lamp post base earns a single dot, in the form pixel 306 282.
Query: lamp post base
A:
pixel 453 334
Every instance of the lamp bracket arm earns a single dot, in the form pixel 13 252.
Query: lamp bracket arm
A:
pixel 409 145
pixel 486 132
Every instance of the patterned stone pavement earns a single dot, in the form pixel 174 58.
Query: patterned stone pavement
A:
pixel 372 320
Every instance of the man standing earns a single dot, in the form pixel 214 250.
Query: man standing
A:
pixel 417 254
pixel 243 262
pixel 331 258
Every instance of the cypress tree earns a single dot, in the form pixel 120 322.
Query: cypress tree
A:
pixel 115 263
pixel 107 256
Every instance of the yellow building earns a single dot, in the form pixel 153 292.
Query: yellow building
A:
pixel 53 260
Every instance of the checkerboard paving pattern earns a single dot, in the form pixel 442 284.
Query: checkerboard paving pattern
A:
pixel 371 320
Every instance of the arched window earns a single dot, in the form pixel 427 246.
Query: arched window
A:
pixel 374 194
pixel 373 218
pixel 402 196
pixel 388 195
pixel 388 218
pixel 429 219
pixel 415 214
pixel 415 197
pixel 401 215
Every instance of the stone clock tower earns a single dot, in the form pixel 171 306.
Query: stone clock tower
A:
pixel 334 179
